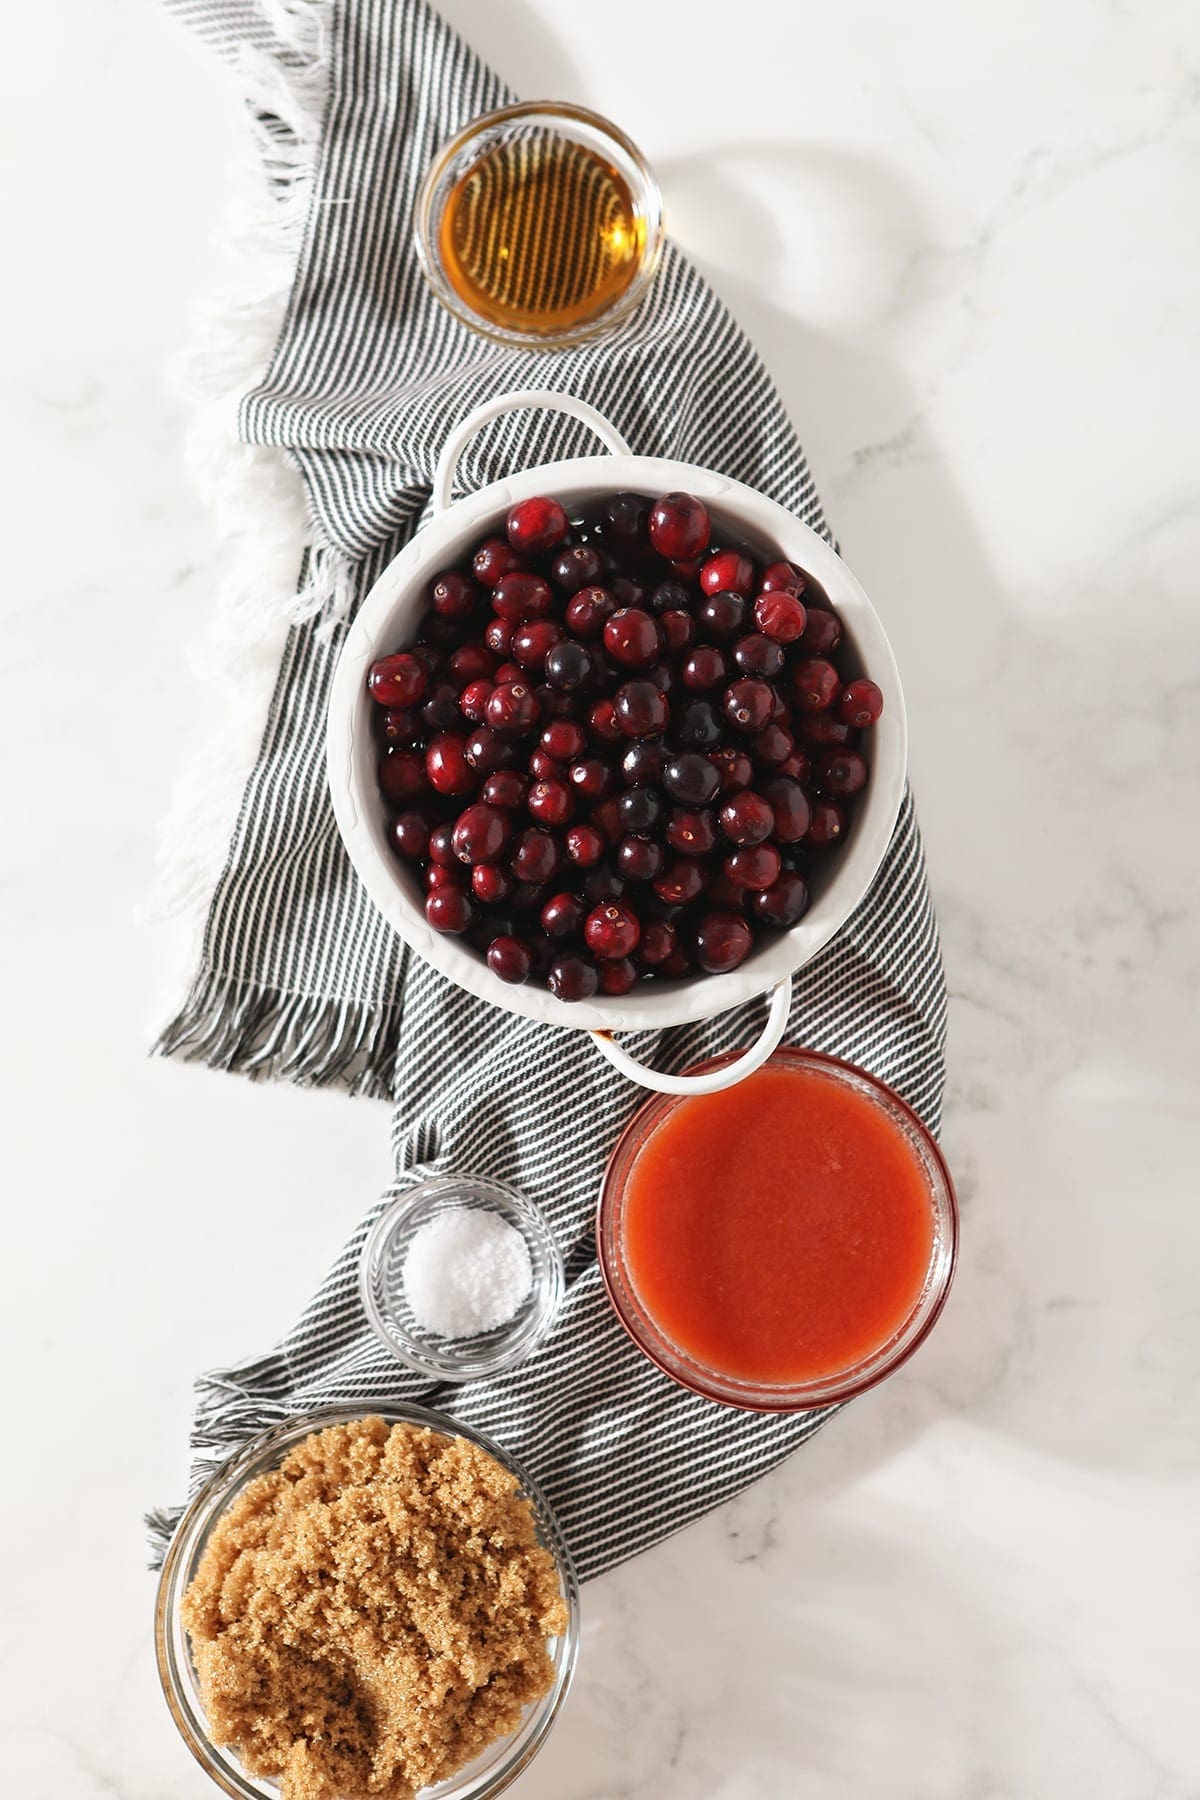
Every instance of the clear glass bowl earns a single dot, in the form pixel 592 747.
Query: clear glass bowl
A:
pixel 381 1281
pixel 476 150
pixel 492 1772
pixel 716 1384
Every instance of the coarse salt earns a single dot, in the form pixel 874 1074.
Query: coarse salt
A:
pixel 466 1272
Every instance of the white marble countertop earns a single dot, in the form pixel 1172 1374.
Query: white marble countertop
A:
pixel 966 241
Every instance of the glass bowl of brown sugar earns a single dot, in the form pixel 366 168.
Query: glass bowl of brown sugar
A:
pixel 540 225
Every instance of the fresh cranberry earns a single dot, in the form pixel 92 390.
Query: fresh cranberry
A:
pixel 454 595
pixel 747 818
pixel 691 779
pixel 734 768
pixel 543 767
pixel 397 680
pixel 481 833
pixel 473 700
pixel 494 559
pixel 842 773
pixel 604 722
pixel 578 566
pixel 781 577
pixel 725 895
pixel 697 725
pixel 572 978
pixel 585 846
pixel 789 807
pixel 748 704
pixel 617 977
pixel 401 776
pixel 643 763
pixel 497 635
pixel 446 765
pixel 721 616
pixel 825 731
pixel 678 631
pixel 679 526
pixel 533 641
pixel 395 726
pixel 607 820
pixel 556 704
pixel 814 684
pixel 822 633
pixel 588 610
pixel 759 656
pixel 490 883
pixel 691 830
pixel 569 666
pixel 688 571
pixel 641 709
pixel 603 884
pixel 510 959
pixel 486 750
pixel 436 634
pixel 441 847
pixel 550 802
pixel 827 825
pixel 705 668
pixel 860 704
pixel 429 657
pixel 612 931
pixel 625 518
pixel 505 787
pixel 535 857
pixel 507 673
pixel 659 939
pixel 773 745
pixel 640 810
pixel 409 832
pixel 520 596
pixel 640 858
pixel 780 616
pixel 632 638
pixel 723 940
pixel 592 778
pixel 727 569
pixel 796 767
pixel 562 915
pixel 677 965
pixel 471 662
pixel 670 596
pixel 536 525
pixel 438 876
pixel 564 739
pixel 682 881
pixel 784 903
pixel 753 866
pixel 449 909
pixel 439 710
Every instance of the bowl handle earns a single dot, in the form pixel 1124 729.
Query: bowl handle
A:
pixel 540 398
pixel 715 1079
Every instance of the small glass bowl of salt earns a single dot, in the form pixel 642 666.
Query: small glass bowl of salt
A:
pixel 460 1277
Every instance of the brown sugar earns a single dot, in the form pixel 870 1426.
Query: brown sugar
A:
pixel 373 1614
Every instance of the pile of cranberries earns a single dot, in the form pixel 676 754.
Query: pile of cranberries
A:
pixel 616 749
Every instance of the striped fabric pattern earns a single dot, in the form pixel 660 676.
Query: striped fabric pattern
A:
pixel 300 978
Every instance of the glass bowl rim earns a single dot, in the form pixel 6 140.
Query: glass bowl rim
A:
pixel 215 1494
pixel 783 1398
pixel 423 1362
pixel 649 200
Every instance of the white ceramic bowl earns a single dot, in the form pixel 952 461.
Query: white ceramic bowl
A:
pixel 387 621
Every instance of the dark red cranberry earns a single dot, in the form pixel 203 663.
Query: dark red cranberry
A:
pixel 860 703
pixel 617 977
pixel 640 810
pixel 796 767
pixel 402 776
pixel 677 965
pixel 545 768
pixel 782 577
pixel 728 569
pixel 446 765
pixel 747 818
pixel 607 820
pixel 822 633
pixel 395 726
pixel 486 750
pixel 550 802
pixel 612 931
pixel 705 668
pixel 825 731
pixel 603 884
pixel 497 635
pixel 569 666
pixel 429 658
pixel 671 596
pixel 827 826
pixel 441 847
pixel 454 595
pixel 679 526
pixel 697 726
pixel 606 675
pixel 734 768
pixel 723 940
pixel 725 895
pixel 688 571
pixel 691 779
pixel 783 904
pixel 585 846
pixel 841 773
pixel 507 673
pixel 564 739
pixel 640 858
pixel 641 709
pixel 781 712
pixel 481 833
pixel 754 866
pixel 535 856
pixel 449 909
pixel 505 787
pixel 473 700
pixel 658 941
pixel 491 884
pixel 780 616
pixel 682 881
pixel 409 831
pixel 692 830
pixel 789 807
pixel 439 710
pixel 562 915
pixel 588 610
pixel 721 616
pixel 532 642
pixel 510 959
pixel 814 683
pixel 662 674
pixel 512 709
pixel 748 704
pixel 536 525
pixel 592 778
pixel 632 638
pixel 757 655
pixel 438 876
pixel 494 559
pixel 556 704
pixel 625 518
pixel 643 763
pixel 678 631
pixel 604 722
pixel 572 978
pixel 625 591
pixel 471 662
pixel 773 745
pixel 575 567
pixel 520 596
pixel 436 634
pixel 398 680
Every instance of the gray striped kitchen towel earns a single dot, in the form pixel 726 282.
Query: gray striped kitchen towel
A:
pixel 300 978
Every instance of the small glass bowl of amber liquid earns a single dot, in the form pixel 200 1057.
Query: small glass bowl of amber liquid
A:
pixel 540 225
